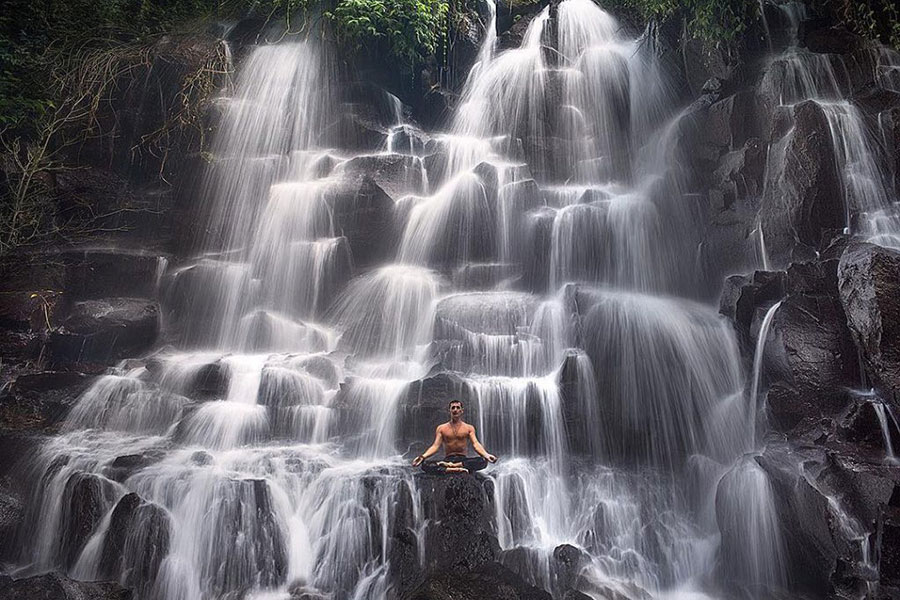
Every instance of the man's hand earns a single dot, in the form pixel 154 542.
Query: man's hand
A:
pixel 491 458
pixel 418 460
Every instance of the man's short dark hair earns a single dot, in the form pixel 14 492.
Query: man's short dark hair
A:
pixel 452 402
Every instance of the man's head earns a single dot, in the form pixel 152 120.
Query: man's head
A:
pixel 456 408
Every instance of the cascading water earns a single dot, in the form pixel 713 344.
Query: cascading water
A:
pixel 538 260
pixel 797 75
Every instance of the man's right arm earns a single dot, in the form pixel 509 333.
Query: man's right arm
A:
pixel 431 449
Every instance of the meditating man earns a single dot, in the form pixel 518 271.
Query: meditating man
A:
pixel 455 435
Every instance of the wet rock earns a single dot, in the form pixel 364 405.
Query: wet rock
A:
pixel 136 542
pixel 810 350
pixel 409 139
pixel 374 103
pixel 802 191
pixel 804 519
pixel 739 175
pixel 459 536
pixel 735 120
pixel 210 382
pixel 566 565
pixel 86 499
pixel 353 132
pixel 26 318
pixel 869 280
pixel 124 466
pixel 833 40
pixel 40 401
pixel 104 273
pixel 106 330
pixel 490 581
pixel 486 276
pixel 247 543
pixel 56 587
pixel 743 295
pixel 397 174
pixel 889 563
pixel 364 214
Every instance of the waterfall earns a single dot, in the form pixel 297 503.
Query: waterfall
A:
pixel 537 252
pixel 758 354
pixel 796 75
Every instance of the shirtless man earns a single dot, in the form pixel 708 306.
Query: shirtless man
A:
pixel 455 435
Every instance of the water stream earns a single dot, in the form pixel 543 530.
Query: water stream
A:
pixel 544 238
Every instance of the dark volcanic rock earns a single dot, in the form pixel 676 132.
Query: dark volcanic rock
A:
pixel 869 280
pixel 804 518
pixel 889 565
pixel 364 213
pixel 459 536
pixel 136 542
pixel 106 330
pixel 490 581
pixel 87 498
pixel 396 174
pixel 57 587
pixel 743 295
pixel 802 198
pixel 104 273
pixel 810 359
pixel 39 401
pixel 833 40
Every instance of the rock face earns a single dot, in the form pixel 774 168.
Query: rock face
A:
pixel 136 542
pixel 40 401
pixel 869 280
pixel 489 581
pixel 88 499
pixel 459 540
pixel 105 330
pixel 802 197
pixel 57 587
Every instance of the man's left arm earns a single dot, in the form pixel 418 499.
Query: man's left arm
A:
pixel 479 448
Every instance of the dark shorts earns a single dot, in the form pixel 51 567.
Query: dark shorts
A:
pixel 471 464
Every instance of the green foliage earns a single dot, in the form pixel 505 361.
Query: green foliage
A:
pixel 712 21
pixel 410 30
pixel 873 19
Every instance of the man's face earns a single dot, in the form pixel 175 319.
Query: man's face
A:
pixel 456 409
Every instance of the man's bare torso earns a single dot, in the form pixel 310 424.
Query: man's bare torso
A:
pixel 455 437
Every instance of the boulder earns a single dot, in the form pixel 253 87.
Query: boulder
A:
pixel 460 509
pixel 56 587
pixel 106 330
pixel 104 273
pixel 40 401
pixel 490 581
pixel 26 318
pixel 353 132
pixel 136 542
pixel 743 295
pixel 739 176
pixel 397 174
pixel 364 214
pixel 869 283
pixel 802 198
pixel 566 565
pixel 86 499
pixel 486 276
pixel 810 351
pixel 833 40
pixel 804 520
pixel 889 563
